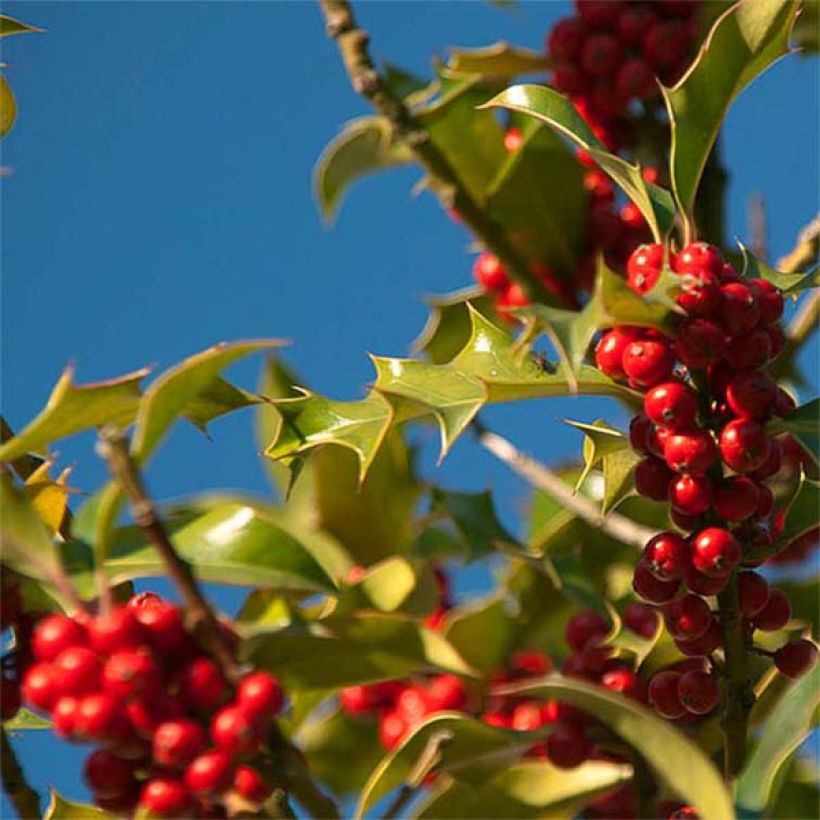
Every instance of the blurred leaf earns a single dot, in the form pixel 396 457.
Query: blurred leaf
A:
pixel 801 514
pixel 473 752
pixel 475 518
pixel 575 583
pixel 499 59
pixel 49 499
pixel 392 585
pixel 482 632
pixel 804 597
pixel 25 721
pixel 8 25
pixel 600 440
pixel 674 758
pixel 806 34
pixel 402 82
pixel 490 368
pixel 72 408
pixel 804 426
pixel 743 43
pixel 61 809
pixel 364 146
pixel 8 107
pixel 354 650
pixel 788 726
pixel 557 111
pixel 618 471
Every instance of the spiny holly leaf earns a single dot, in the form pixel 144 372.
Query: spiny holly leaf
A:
pixel 8 25
pixel 788 726
pixel 804 426
pixel 26 721
pixel 654 202
pixel 402 82
pixel 217 399
pixel 8 107
pixel 72 408
pixel 600 440
pixel 790 283
pixel 48 498
pixel 490 368
pixel 364 146
pixel 807 33
pixel 61 809
pixel 801 514
pixel 497 60
pixel 483 632
pixel 472 750
pixel 618 470
pixel 675 759
pixel 353 650
pixel 742 44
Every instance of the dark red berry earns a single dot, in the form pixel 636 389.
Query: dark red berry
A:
pixel 739 310
pixel 736 498
pixel 769 299
pixel 704 644
pixel 601 54
pixel 635 79
pixel 652 478
pixel 704 584
pixel 107 775
pixel 664 44
pixel 599 13
pixel 776 612
pixel 796 658
pixel 567 746
pixel 692 452
pixel 772 464
pixel 641 619
pixel 700 343
pixel 698 692
pixel 751 394
pixel 691 494
pixel 566 38
pixel 687 617
pixel 248 783
pixel 765 503
pixel 663 695
pixel 666 555
pixel 633 23
pixel 586 628
pixel 753 592
pixel 650 588
pixel 744 445
pixel 750 351
pixel 639 428
pixel 715 552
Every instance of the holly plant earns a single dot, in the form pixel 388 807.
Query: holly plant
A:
pixel 646 650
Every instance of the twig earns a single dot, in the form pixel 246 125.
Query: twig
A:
pixel 201 621
pixel 805 249
pixel 758 240
pixel 22 796
pixel 367 81
pixel 804 322
pixel 541 477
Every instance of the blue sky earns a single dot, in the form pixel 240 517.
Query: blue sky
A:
pixel 161 201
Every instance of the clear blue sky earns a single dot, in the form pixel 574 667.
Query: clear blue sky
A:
pixel 161 201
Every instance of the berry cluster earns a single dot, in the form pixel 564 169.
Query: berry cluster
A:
pixel 171 735
pixel 706 453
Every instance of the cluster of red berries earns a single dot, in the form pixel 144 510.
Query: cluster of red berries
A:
pixel 171 735
pixel 706 453
pixel 13 617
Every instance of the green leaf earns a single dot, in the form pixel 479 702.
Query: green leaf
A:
pixel 226 540
pixel 497 60
pixel 674 758
pixel 788 726
pixel 742 44
pixel 353 650
pixel 72 408
pixel 490 368
pixel 396 584
pixel 217 399
pixel 804 426
pixel 483 633
pixel 8 25
pixel 61 809
pixel 473 751
pixel 600 440
pixel 401 82
pixel 25 721
pixel 8 107
pixel 364 146
pixel 801 514
pixel 474 517
pixel 527 789
pixel 618 471
pixel 806 34
pixel 547 105
pixel 789 283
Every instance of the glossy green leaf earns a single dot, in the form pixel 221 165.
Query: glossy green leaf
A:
pixel 789 283
pixel 654 202
pixel 801 514
pixel 217 399
pixel 8 107
pixel 62 809
pixel 618 469
pixel 804 597
pixel 483 632
pixel 742 44
pixel 600 440
pixel 574 581
pixel 497 60
pixel 225 540
pixel 472 752
pixel 804 426
pixel 526 789
pixel 8 25
pixel 352 650
pixel 25 721
pixel 397 584
pixel 364 146
pixel 788 726
pixel 674 758
pixel 490 368
pixel 72 408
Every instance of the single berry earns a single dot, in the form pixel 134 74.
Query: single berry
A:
pixel 688 617
pixel 392 729
pixel 234 731
pixel 132 673
pixel 664 44
pixel 650 588
pixel 644 267
pixel 201 684
pixel 143 599
pixel 599 186
pixel 666 556
pixel 54 634
pixel 744 445
pixel 248 783
pixel 700 294
pixel 527 717
pixel 698 692
pixel 663 695
pixel 623 680
pixel 489 273
pixel 698 258
pixel 635 79
pixel 601 54
pixel 100 717
pixel 765 503
pixel 639 428
pixel 796 658
pixel 634 22
pixel 446 692
pixel 78 671
pixel 648 362
pixel 739 310
pixel 260 695
pixel 691 493
pixel 692 452
pixel 64 716
pixel 773 463
pixel 598 13
pixel 750 351
pixel 107 775
pixel 704 644
pixel 177 742
pixel 513 139
pixel 672 404
pixel 776 612
pixel 751 394
pixel 119 629
pixel 567 746
pixel 566 38
pixel 652 478
pixel 209 773
pixel 736 498
pixel 163 626
pixel 41 686
pixel 700 343
pixel 715 552
pixel 641 619
pixel 753 593
pixel 702 584
pixel 769 299
pixel 166 797
pixel 586 628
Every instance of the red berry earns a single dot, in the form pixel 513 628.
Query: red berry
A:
pixel 698 692
pixel 751 394
pixel 623 680
pixel 201 684
pixel 143 599
pixel 166 797
pixel 177 742
pixel 528 663
pixel 260 695
pixel 700 343
pixel 513 139
pixel 736 498
pixel 693 452
pixel 107 775
pixel 765 503
pixel 163 626
pixel 119 629
pixel 527 717
pixel 704 644
pixel 784 404
pixel 639 427
pixel 776 612
pixel 568 78
pixel 744 445
pixel 566 38
pixel 652 478
pixel 739 310
pixel 715 552
pixel 610 351
pixel 489 273
pixel 664 44
pixel 248 783
pixel 672 405
pixel 78 671
pixel 650 588
pixel 513 297
pixel 691 494
pixel 64 716
pixel 700 294
pixel 698 258
pixel 446 692
pixel 631 216
pixel 684 521
pixel 209 773
pixel 634 22
pixel 648 362
pixel 599 185
pixel 796 658
pixel 132 673
pixel 702 584
pixel 392 729
pixel 644 267
pixel 750 351
pixel 688 617
pixel 641 619
pixel 41 686
pixel 636 80
pixel 586 628
pixel 772 464
pixel 234 731
pixel 769 299
pixel 666 556
pixel 663 695
pixel 599 13
pixel 55 633
pixel 753 591
pixel 567 746
pixel 100 717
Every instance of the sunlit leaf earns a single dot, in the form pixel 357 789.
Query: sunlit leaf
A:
pixel 497 60
pixel 61 809
pixel 483 633
pixel 8 107
pixel 654 202
pixel 48 498
pixel 217 399
pixel 790 283
pixel 600 440
pixel 8 25
pixel 743 43
pixel 618 470
pixel 25 721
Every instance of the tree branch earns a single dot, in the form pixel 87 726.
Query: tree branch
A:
pixel 22 796
pixel 366 80
pixel 805 250
pixel 540 476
